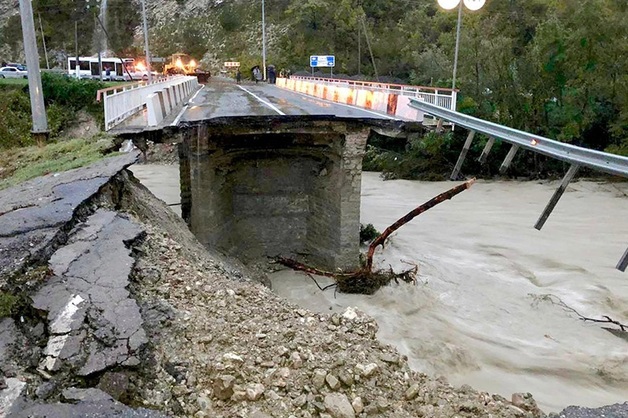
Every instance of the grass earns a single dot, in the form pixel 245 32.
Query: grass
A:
pixel 7 304
pixel 20 164
pixel 13 82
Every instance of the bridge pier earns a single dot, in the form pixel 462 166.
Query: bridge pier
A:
pixel 258 188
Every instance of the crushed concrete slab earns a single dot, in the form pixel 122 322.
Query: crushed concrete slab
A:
pixel 10 395
pixel 93 322
pixel 33 213
pixel 7 336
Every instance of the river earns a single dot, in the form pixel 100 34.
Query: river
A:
pixel 479 313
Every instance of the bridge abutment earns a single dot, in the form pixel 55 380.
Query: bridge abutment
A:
pixel 260 189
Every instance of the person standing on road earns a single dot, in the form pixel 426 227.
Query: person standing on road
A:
pixel 238 76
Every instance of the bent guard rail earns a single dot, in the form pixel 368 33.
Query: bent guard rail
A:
pixel 597 160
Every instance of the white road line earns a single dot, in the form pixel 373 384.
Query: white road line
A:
pixel 272 106
pixel 185 108
pixel 381 115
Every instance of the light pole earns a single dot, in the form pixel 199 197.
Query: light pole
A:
pixel 263 40
pixel 449 5
pixel 148 66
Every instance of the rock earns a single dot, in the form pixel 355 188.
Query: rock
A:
pixel 367 370
pixel 346 377
pixel 350 314
pixel 318 380
pixel 259 414
pixel 358 405
pixel 232 357
pixel 389 358
pixel 223 387
pixel 332 382
pixel 299 401
pixel 412 391
pixel 115 384
pixel 338 406
pixel 295 360
pixel 204 403
pixel 524 401
pixel 254 391
pixel 85 395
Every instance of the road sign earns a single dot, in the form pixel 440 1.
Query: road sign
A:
pixel 232 64
pixel 322 61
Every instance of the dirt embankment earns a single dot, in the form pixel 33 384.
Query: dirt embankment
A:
pixel 219 344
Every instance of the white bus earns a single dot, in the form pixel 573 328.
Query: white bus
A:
pixel 117 69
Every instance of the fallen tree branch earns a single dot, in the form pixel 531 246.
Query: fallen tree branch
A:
pixel 411 215
pixel 607 320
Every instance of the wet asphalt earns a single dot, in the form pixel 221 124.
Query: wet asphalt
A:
pixel 222 97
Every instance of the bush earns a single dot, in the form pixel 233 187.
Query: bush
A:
pixel 15 123
pixel 368 233
pixel 74 94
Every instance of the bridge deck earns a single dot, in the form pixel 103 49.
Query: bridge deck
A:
pixel 222 97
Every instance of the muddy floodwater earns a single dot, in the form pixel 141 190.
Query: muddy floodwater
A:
pixel 486 309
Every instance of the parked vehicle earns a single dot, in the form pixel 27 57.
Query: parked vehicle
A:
pixel 12 72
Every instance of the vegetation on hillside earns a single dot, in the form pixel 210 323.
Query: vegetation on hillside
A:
pixel 63 97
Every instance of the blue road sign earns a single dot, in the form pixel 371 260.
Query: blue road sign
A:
pixel 322 61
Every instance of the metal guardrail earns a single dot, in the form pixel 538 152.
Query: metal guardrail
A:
pixel 597 160
pixel 576 156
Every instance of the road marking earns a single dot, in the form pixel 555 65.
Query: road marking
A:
pixel 272 106
pixel 185 108
pixel 381 115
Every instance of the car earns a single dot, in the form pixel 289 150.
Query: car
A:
pixel 12 72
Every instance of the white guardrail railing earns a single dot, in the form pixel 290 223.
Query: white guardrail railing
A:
pixel 122 102
pixel 385 98
pixel 575 156
pixel 443 97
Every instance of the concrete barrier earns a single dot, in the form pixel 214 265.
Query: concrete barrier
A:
pixel 161 103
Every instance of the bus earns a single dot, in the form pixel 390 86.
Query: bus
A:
pixel 113 69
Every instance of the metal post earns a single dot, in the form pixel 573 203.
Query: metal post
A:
pixel 264 39
pixel 573 169
pixel 463 155
pixel 77 68
pixel 43 41
pixel 623 263
pixel 148 66
pixel 508 159
pixel 453 83
pixel 38 110
pixel 486 150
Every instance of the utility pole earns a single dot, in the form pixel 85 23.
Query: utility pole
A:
pixel 43 40
pixel 77 67
pixel 264 39
pixel 148 66
pixel 38 110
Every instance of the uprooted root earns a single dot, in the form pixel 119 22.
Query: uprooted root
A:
pixel 363 281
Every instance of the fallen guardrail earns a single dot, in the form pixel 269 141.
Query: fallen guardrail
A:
pixel 575 156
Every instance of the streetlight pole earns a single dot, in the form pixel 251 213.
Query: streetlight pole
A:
pixel 148 66
pixel 449 5
pixel 453 83
pixel 263 40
